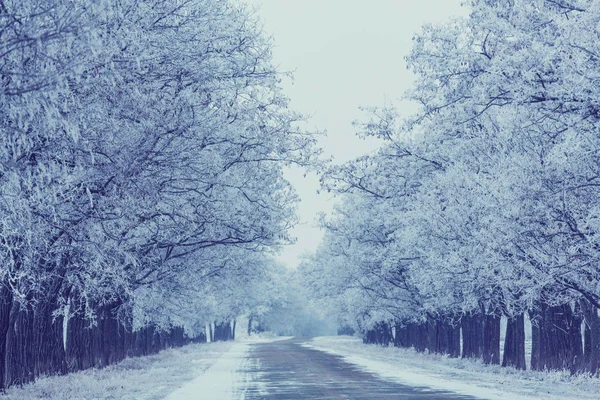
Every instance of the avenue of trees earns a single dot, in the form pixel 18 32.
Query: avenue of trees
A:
pixel 142 194
pixel 483 204
pixel 141 189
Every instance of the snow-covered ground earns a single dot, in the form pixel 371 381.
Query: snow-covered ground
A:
pixel 468 377
pixel 218 371
pixel 208 371
pixel 226 378
pixel 140 378
pixel 221 381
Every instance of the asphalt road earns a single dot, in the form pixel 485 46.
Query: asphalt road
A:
pixel 286 370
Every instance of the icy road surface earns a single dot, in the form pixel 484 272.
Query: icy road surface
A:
pixel 287 370
pixel 344 368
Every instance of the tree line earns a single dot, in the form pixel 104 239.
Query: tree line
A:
pixel 141 190
pixel 482 204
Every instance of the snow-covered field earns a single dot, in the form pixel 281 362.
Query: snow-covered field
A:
pixel 468 377
pixel 140 378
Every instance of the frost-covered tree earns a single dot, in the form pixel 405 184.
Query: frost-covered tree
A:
pixel 500 218
pixel 142 142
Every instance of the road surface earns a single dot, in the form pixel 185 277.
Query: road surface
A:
pixel 285 370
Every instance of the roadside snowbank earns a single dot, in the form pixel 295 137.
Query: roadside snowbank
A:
pixel 226 379
pixel 221 381
pixel 469 377
pixel 141 378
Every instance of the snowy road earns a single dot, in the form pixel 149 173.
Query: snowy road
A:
pixel 287 370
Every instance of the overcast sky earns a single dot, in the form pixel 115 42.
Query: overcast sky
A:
pixel 344 54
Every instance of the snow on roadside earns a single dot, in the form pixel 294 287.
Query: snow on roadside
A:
pixel 468 377
pixel 222 381
pixel 227 379
pixel 264 338
pixel 138 378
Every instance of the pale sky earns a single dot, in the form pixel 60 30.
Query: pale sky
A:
pixel 344 54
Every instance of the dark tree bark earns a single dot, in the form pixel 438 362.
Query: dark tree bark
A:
pixel 31 338
pixel 156 343
pixel 432 342
pixel 592 336
pixel 514 343
pixel 400 334
pixel 97 343
pixel 380 334
pixel 78 352
pixel 422 337
pixel 453 333
pixel 560 338
pixel 575 340
pixel 441 336
pixel 369 337
pixel 536 352
pixel 472 333
pixel 5 307
pixel 140 342
pixel 383 334
pixel 19 353
pixel 587 343
pixel 48 348
pixel 491 339
pixel 558 326
pixel 413 335
pixel 112 347
pixel 223 331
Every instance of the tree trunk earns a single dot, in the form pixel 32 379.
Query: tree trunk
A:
pixel 422 337
pixel 5 307
pixel 441 336
pixel 19 352
pixel 383 334
pixel 223 331
pixel 454 340
pixel 575 340
pixel 110 331
pixel 491 339
pixel 535 317
pixel 558 338
pixel 592 336
pixel 514 343
pixel 78 352
pixel 472 334
pixel 49 354
pixel 249 326
pixel 413 335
